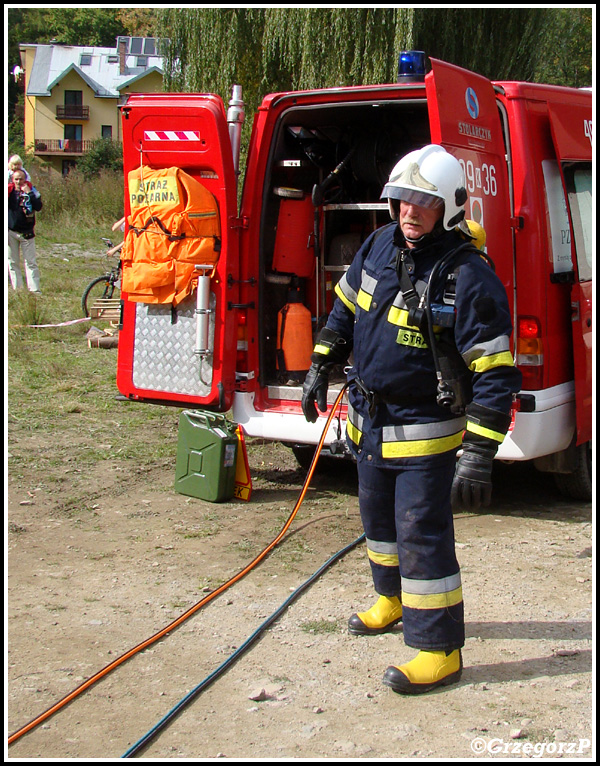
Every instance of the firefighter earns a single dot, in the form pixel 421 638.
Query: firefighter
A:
pixel 428 323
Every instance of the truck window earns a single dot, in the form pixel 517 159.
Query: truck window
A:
pixel 578 178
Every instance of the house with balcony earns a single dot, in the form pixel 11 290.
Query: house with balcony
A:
pixel 72 94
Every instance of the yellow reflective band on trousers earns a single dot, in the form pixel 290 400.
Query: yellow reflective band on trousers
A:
pixel 422 439
pixel 487 432
pixel 385 554
pixel 432 594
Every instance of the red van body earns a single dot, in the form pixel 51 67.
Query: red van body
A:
pixel 527 154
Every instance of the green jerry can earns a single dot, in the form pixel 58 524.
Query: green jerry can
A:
pixel 206 456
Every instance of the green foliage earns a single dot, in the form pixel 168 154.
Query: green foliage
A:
pixel 567 56
pixel 499 43
pixel 70 26
pixel 16 134
pixel 103 154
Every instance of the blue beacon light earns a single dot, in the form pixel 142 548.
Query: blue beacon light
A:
pixel 411 66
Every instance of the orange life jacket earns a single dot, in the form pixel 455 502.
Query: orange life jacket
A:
pixel 174 225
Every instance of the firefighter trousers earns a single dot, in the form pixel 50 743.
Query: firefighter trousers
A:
pixel 407 518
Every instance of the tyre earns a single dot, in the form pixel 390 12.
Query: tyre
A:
pixel 101 287
pixel 578 484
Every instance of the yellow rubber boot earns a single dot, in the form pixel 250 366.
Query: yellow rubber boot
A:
pixel 427 671
pixel 381 617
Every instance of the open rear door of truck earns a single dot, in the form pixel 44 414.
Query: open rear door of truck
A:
pixel 181 352
pixel 464 119
pixel 572 135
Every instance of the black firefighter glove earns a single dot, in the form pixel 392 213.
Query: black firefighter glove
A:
pixel 330 349
pixel 472 485
pixel 315 390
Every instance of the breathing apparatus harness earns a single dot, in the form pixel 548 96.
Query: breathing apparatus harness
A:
pixel 453 375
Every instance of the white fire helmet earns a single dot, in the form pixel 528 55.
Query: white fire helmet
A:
pixel 429 177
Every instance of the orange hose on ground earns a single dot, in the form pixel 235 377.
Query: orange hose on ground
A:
pixel 192 610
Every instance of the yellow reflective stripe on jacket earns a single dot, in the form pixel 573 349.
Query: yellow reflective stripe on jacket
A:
pixel 504 359
pixel 421 448
pixel 354 425
pixel 432 594
pixel 346 294
pixel 399 317
pixel 408 334
pixel 422 439
pixel 487 432
pixel 365 294
pixel 385 554
pixel 364 300
pixel 489 354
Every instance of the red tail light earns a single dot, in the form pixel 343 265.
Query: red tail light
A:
pixel 530 352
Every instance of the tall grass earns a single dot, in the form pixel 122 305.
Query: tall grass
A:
pixel 76 209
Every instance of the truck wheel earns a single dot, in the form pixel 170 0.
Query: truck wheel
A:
pixel 304 455
pixel 578 484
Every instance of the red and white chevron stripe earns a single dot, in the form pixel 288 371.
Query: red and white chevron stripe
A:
pixel 171 135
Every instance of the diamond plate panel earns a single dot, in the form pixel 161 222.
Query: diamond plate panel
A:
pixel 163 357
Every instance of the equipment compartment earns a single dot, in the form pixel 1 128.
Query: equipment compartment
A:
pixel 325 173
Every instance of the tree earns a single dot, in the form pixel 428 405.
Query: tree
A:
pixel 498 43
pixel 567 56
pixel 273 49
pixel 104 153
pixel 70 26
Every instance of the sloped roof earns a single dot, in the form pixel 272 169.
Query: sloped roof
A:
pixel 53 62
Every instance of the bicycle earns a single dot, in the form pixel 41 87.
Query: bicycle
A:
pixel 106 287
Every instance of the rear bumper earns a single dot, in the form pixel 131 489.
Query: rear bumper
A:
pixel 546 430
pixel 287 426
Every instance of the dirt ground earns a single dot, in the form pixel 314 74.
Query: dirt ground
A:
pixel 86 585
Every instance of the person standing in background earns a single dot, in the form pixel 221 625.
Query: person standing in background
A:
pixel 24 200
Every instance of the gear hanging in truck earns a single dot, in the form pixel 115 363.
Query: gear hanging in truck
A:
pixel 173 227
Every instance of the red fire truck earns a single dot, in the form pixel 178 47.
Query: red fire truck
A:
pixel 237 339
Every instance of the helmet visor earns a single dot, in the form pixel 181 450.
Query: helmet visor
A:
pixel 412 196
